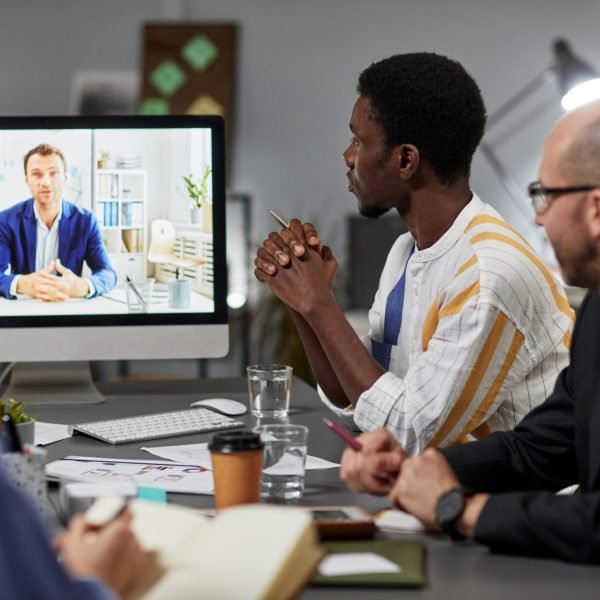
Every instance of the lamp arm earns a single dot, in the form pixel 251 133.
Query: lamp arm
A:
pixel 513 189
pixel 526 91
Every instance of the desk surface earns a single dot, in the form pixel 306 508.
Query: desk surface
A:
pixel 112 303
pixel 453 571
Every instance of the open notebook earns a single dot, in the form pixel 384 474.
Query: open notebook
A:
pixel 254 552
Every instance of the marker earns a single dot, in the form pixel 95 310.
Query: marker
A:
pixel 279 219
pixel 11 433
pixel 341 432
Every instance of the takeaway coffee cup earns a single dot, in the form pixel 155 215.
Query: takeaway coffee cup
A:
pixel 237 462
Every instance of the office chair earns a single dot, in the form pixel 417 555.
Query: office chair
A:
pixel 162 246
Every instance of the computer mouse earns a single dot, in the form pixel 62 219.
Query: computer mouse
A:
pixel 225 406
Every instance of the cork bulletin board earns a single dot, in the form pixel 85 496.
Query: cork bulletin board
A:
pixel 189 69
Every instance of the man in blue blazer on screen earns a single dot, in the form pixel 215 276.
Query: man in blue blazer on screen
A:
pixel 45 240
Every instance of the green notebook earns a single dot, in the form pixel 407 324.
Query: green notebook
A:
pixel 409 555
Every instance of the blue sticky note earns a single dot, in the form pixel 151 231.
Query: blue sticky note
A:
pixel 152 495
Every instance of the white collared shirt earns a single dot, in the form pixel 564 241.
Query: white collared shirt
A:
pixel 46 249
pixel 485 333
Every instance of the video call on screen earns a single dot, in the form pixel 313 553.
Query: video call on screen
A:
pixel 128 185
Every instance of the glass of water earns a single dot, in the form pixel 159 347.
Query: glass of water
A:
pixel 284 460
pixel 269 387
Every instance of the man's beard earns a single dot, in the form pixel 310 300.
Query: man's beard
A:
pixel 372 212
pixel 580 266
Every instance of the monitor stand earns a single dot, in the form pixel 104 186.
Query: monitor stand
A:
pixel 53 383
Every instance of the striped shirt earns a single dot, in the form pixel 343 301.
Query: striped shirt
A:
pixel 485 332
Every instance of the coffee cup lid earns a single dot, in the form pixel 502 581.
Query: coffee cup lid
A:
pixel 235 441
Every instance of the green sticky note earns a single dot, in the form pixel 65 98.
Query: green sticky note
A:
pixel 167 78
pixel 152 495
pixel 199 52
pixel 154 106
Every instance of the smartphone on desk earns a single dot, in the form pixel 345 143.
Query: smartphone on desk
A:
pixel 342 522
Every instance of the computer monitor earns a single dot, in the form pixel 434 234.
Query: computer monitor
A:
pixel 150 271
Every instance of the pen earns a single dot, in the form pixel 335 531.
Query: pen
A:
pixel 341 432
pixel 135 290
pixel 11 433
pixel 279 219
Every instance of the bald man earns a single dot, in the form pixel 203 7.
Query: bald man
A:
pixel 502 491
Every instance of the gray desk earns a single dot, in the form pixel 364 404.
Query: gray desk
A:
pixel 454 571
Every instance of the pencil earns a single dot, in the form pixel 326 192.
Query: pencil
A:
pixel 341 432
pixel 279 219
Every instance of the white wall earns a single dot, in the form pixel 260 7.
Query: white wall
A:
pixel 297 68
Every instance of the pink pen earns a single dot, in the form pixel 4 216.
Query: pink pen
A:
pixel 341 432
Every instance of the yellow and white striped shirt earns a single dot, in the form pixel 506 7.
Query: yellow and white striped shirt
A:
pixel 485 332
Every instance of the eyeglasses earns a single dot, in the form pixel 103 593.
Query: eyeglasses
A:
pixel 538 194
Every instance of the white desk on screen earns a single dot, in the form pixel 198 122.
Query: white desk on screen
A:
pixel 113 303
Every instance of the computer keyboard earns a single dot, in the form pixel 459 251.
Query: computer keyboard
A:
pixel 152 427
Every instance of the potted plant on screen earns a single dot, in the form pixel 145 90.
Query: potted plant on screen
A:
pixel 197 191
pixel 25 423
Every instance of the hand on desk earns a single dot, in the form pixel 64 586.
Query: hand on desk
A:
pixel 43 285
pixel 297 267
pixel 414 483
pixel 423 479
pixel 111 553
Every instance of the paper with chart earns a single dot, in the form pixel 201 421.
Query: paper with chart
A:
pixel 198 454
pixel 182 478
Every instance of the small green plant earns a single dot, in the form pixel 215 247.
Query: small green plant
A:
pixel 16 410
pixel 198 190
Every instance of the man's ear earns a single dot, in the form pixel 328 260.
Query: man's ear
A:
pixel 593 214
pixel 408 159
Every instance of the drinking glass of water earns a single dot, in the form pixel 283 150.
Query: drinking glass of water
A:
pixel 284 460
pixel 269 387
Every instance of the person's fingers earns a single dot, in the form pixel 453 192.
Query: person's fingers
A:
pixel 265 266
pixel 60 268
pixel 326 253
pixel 384 463
pixel 77 525
pixel 298 230
pixel 50 293
pixel 261 276
pixel 293 242
pixel 312 237
pixel 274 250
pixel 48 268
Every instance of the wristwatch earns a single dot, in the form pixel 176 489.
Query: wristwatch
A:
pixel 448 510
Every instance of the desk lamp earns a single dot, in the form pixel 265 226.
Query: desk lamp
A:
pixel 578 84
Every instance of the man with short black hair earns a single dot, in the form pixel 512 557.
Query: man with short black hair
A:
pixel 44 241
pixel 468 329
pixel 501 491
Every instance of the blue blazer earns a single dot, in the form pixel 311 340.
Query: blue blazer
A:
pixel 79 240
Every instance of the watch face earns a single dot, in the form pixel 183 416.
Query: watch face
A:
pixel 450 506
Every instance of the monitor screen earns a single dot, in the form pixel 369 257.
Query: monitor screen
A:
pixel 112 238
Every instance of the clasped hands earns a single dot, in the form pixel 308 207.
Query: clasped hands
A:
pixel 43 285
pixel 414 484
pixel 297 267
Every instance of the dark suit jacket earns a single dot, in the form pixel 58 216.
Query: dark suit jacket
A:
pixel 79 240
pixel 556 445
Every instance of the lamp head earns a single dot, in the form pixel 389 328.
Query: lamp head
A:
pixel 578 82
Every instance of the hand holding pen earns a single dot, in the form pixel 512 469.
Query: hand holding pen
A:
pixel 294 238
pixel 375 468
